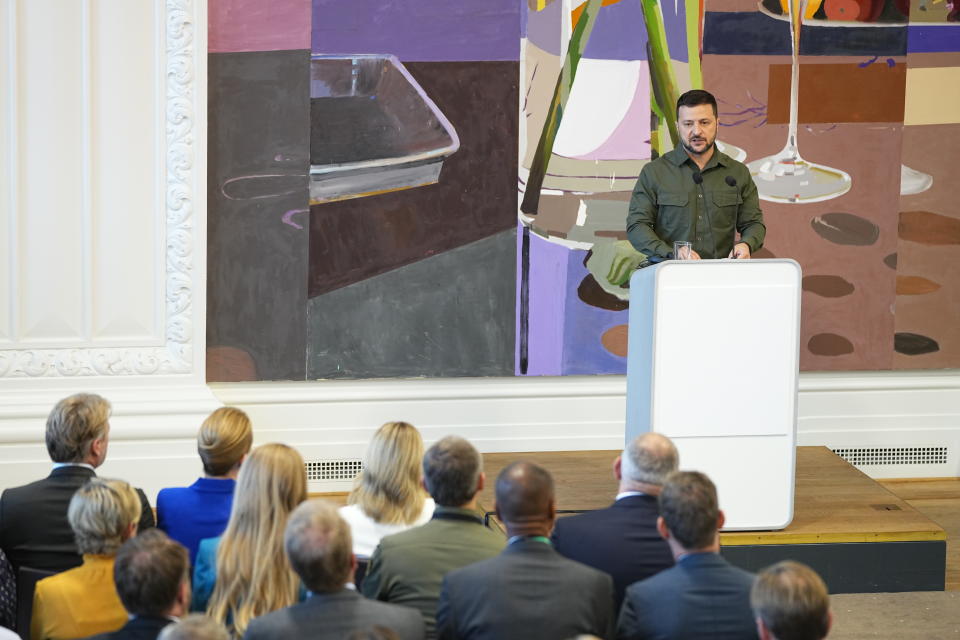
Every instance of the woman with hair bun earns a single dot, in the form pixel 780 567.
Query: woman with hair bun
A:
pixel 388 495
pixel 190 514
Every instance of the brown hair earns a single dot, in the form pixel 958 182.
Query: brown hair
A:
pixel 792 601
pixel 319 546
pixel 451 470
pixel 148 572
pixel 388 489
pixel 688 504
pixel 73 424
pixel 225 437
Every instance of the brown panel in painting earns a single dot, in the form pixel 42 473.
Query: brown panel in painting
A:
pixel 839 93
pixel 929 248
pixel 352 240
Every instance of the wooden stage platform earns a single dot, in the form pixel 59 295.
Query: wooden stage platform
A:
pixel 858 535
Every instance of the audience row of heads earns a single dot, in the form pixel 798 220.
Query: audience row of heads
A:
pixel 276 538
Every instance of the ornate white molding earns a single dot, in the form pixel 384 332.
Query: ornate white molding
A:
pixel 175 355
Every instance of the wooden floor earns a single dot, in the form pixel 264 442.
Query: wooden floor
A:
pixel 834 502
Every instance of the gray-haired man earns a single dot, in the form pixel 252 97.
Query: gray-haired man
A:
pixel 622 540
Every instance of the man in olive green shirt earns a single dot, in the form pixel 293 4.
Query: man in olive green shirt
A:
pixel 408 567
pixel 695 193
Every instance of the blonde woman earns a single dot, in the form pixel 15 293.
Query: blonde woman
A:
pixel 388 495
pixel 190 514
pixel 83 601
pixel 245 573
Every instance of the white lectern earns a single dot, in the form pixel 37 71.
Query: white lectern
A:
pixel 713 364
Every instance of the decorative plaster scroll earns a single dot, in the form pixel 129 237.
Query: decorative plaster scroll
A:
pixel 176 355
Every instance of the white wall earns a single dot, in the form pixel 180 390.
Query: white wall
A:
pixel 102 268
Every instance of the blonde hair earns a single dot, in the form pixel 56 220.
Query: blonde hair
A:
pixel 253 573
pixel 388 489
pixel 100 514
pixel 73 424
pixel 225 437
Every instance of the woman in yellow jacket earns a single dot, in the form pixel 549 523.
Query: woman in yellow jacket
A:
pixel 83 601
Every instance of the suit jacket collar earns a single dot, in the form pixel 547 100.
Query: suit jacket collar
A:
pixel 706 560
pixel 344 594
pixel 147 622
pixel 72 471
pixel 635 501
pixel 529 546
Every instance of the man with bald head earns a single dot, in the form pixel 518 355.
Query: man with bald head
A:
pixel 622 539
pixel 529 590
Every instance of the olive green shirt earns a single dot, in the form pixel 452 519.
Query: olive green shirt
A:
pixel 668 206
pixel 407 568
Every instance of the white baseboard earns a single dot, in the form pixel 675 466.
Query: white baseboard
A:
pixel 153 432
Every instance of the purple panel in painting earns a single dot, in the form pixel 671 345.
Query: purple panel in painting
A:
pixel 255 25
pixel 419 30
pixel 583 353
pixel 543 27
pixel 933 38
pixel 546 280
pixel 619 33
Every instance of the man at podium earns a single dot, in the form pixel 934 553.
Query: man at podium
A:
pixel 696 193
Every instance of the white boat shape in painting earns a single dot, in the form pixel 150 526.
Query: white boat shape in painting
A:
pixel 373 129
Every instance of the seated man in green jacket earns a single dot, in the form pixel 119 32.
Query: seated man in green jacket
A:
pixel 408 567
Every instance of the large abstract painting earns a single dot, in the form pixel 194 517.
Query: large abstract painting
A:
pixel 406 188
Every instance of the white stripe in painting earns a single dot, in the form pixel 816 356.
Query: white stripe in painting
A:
pixel 601 96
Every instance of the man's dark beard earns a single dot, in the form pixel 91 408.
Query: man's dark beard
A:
pixel 683 143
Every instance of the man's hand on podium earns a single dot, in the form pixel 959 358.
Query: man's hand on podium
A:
pixel 741 251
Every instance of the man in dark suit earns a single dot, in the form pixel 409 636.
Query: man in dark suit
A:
pixel 319 545
pixel 34 531
pixel 622 539
pixel 790 602
pixel 528 591
pixel 407 568
pixel 702 596
pixel 152 573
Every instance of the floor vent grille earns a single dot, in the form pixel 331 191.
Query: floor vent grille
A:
pixel 893 455
pixel 319 470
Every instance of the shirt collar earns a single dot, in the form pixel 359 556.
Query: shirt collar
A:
pixel 629 494
pixel 678 156
pixel 60 465
pixel 542 539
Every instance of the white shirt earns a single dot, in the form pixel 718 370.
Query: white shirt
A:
pixel 367 533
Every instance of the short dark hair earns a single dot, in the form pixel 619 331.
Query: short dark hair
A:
pixel 696 97
pixel 451 470
pixel 319 546
pixel 688 505
pixel 148 572
pixel 792 601
pixel 524 490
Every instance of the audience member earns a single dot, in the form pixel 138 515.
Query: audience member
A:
pixel 790 602
pixel 152 573
pixel 34 531
pixel 83 601
pixel 8 593
pixel 191 514
pixel 318 544
pixel 246 569
pixel 195 626
pixel 622 539
pixel 387 495
pixel 408 568
pixel 702 596
pixel 528 590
